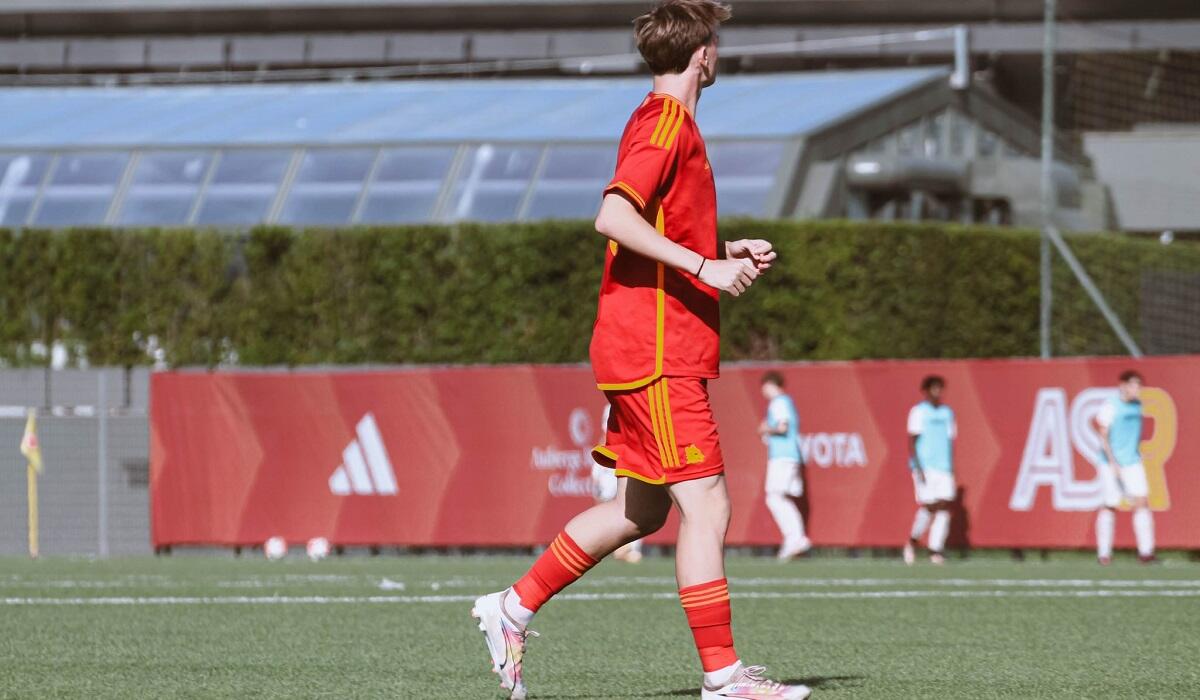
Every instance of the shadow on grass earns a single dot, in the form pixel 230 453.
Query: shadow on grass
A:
pixel 814 682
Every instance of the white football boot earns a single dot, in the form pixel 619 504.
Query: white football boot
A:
pixel 505 641
pixel 748 683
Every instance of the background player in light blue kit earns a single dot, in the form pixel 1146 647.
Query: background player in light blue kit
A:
pixel 1122 474
pixel 931 434
pixel 781 432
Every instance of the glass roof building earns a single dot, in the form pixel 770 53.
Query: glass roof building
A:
pixel 782 146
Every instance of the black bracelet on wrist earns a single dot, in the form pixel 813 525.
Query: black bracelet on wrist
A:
pixel 699 269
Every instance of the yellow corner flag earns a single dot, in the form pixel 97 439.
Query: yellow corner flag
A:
pixel 29 442
pixel 33 453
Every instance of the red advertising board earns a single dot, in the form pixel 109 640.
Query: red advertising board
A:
pixel 499 456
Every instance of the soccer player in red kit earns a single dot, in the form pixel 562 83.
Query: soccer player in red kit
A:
pixel 654 347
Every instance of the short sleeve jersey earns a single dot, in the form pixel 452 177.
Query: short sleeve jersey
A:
pixel 1124 422
pixel 787 445
pixel 935 430
pixel 654 321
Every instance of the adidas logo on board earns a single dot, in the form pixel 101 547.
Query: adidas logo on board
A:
pixel 366 469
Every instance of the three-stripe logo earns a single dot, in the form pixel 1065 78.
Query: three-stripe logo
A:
pixel 365 469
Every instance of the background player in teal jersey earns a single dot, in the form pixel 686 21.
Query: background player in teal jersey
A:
pixel 931 434
pixel 781 432
pixel 1122 474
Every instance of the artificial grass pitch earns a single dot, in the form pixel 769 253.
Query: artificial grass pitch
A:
pixel 399 627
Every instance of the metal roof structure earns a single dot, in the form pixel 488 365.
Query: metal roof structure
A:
pixel 898 143
pixel 757 106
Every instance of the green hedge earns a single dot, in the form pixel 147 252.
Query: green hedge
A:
pixel 526 293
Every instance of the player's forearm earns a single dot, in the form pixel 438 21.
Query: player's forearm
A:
pixel 619 221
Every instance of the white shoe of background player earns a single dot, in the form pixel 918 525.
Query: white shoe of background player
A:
pixel 794 548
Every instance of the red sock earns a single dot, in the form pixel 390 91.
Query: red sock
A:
pixel 559 566
pixel 707 608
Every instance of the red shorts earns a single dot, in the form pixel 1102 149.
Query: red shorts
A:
pixel 662 433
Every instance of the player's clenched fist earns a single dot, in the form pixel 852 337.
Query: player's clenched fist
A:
pixel 760 252
pixel 733 276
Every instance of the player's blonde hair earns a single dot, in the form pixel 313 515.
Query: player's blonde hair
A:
pixel 668 35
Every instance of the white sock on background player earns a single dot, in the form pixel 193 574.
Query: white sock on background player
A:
pixel 939 530
pixel 920 523
pixel 786 516
pixel 1105 522
pixel 1143 531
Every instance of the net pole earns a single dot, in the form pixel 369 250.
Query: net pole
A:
pixel 1047 184
pixel 102 464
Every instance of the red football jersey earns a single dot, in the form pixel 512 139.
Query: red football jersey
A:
pixel 653 320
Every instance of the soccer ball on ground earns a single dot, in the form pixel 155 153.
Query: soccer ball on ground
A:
pixel 318 548
pixel 275 548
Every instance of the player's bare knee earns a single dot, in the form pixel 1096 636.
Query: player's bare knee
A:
pixel 710 506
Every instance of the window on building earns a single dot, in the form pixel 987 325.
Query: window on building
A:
pixel 81 189
pixel 327 186
pixel 572 182
pixel 492 182
pixel 243 187
pixel 958 125
pixel 164 188
pixel 21 175
pixel 745 173
pixel 407 183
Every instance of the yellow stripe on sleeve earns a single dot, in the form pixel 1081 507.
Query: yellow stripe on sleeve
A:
pixel 663 120
pixel 669 136
pixel 627 189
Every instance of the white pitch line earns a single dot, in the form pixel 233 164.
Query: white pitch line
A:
pixel 609 581
pixel 424 599
pixel 966 582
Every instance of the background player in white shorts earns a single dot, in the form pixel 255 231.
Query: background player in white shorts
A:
pixel 604 488
pixel 781 432
pixel 1122 474
pixel 931 434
